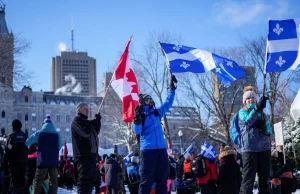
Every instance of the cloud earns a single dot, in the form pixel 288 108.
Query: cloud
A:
pixel 241 13
pixel 62 46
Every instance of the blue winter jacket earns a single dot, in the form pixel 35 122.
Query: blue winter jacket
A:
pixel 49 143
pixel 251 138
pixel 153 136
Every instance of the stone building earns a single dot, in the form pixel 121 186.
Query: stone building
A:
pixel 73 73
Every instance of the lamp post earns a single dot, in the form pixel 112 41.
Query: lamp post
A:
pixel 180 134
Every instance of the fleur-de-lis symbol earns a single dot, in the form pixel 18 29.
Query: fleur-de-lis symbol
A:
pixel 218 70
pixel 229 63
pixel 177 47
pixel 280 62
pixel 277 30
pixel 185 65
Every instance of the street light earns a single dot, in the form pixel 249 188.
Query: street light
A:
pixel 180 134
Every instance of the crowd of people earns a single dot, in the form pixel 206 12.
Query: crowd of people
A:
pixel 31 164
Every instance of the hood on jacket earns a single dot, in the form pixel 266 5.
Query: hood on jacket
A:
pixel 228 153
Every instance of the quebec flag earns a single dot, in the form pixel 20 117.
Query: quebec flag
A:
pixel 127 159
pixel 208 151
pixel 283 45
pixel 187 59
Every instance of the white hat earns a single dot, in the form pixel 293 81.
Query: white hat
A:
pixel 248 94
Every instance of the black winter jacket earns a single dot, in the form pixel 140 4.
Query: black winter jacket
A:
pixel 85 137
pixel 111 169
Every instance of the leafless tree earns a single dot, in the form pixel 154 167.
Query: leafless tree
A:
pixel 215 103
pixel 120 132
pixel 13 73
pixel 151 70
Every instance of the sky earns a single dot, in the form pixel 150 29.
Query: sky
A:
pixel 102 28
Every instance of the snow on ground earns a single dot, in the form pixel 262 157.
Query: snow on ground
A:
pixel 64 191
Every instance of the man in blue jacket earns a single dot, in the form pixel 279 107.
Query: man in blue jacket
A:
pixel 49 143
pixel 154 165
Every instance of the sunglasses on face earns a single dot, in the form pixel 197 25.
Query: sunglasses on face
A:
pixel 148 99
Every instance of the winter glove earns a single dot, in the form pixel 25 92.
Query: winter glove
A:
pixel 98 116
pixel 262 103
pixel 138 112
pixel 173 83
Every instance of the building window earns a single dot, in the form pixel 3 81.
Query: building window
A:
pixel 34 99
pixel 26 117
pixel 19 116
pixel 68 119
pixel 3 80
pixel 33 129
pixel 3 131
pixel 58 118
pixel 33 117
pixel 3 114
pixel 26 98
pixel 19 99
pixel 67 129
pixel 57 129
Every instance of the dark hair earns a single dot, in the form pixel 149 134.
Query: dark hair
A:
pixel 105 156
pixel 16 124
pixel 112 156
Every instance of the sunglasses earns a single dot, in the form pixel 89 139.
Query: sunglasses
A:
pixel 148 99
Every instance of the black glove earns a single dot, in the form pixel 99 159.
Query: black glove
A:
pixel 98 116
pixel 262 103
pixel 138 113
pixel 173 83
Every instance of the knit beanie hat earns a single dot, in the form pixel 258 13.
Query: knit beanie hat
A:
pixel 48 119
pixel 16 124
pixel 80 105
pixel 248 93
pixel 143 97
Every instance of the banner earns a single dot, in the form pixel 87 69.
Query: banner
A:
pixel 278 134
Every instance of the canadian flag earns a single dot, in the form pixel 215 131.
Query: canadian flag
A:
pixel 125 84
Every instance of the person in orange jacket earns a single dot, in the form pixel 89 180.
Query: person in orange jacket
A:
pixel 187 171
pixel 207 183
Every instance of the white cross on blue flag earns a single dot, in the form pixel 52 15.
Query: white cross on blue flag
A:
pixel 127 159
pixel 187 59
pixel 283 45
pixel 208 151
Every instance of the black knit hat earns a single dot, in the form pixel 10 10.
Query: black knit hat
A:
pixel 16 124
pixel 143 97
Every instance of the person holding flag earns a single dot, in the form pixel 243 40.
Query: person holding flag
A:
pixel 255 133
pixel 154 165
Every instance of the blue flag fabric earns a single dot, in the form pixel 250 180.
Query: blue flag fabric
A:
pixel 127 159
pixel 283 46
pixel 188 59
pixel 208 151
pixel 189 150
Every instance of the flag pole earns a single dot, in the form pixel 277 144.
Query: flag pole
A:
pixel 265 66
pixel 105 94
pixel 166 61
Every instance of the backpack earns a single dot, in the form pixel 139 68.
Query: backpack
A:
pixel 133 175
pixel 235 130
pixel 198 166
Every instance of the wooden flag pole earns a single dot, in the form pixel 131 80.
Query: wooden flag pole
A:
pixel 105 94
